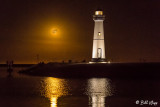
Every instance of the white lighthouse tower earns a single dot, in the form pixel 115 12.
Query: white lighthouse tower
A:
pixel 98 51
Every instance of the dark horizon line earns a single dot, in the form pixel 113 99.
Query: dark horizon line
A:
pixel 27 64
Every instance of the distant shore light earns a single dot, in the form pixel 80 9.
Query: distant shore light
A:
pixel 109 62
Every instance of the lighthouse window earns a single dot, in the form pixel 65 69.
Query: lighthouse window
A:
pixel 99 33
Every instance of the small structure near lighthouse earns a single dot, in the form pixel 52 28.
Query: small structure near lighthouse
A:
pixel 98 51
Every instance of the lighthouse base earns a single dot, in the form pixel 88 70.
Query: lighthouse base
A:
pixel 97 60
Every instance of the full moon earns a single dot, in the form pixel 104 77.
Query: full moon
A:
pixel 54 31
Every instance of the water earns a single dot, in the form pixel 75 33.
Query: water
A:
pixel 27 91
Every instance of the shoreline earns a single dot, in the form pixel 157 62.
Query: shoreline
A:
pixel 17 65
pixel 85 70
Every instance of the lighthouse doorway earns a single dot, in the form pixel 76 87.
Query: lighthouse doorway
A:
pixel 99 53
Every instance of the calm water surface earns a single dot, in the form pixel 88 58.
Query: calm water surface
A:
pixel 18 90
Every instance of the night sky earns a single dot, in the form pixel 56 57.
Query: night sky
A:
pixel 131 30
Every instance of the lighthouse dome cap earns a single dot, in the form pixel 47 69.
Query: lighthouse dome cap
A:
pixel 99 9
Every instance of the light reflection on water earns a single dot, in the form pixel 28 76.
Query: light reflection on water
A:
pixel 53 88
pixel 61 92
pixel 20 90
pixel 96 89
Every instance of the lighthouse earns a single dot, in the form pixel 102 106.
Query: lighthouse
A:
pixel 98 50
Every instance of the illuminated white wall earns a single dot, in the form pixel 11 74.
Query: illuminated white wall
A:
pixel 98 39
